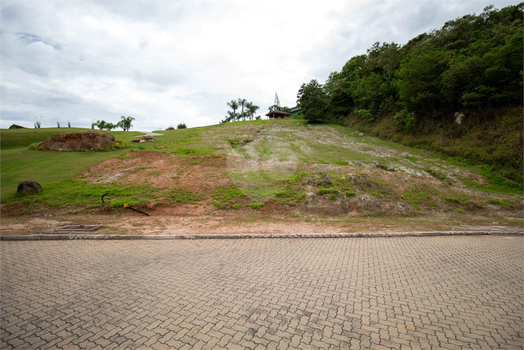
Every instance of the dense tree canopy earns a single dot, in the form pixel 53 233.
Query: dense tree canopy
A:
pixel 471 63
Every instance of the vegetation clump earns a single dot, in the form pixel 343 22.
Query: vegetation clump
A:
pixel 471 67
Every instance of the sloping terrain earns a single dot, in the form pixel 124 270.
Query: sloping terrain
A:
pixel 259 173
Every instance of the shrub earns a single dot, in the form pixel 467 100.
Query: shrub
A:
pixel 365 115
pixel 181 126
pixel 405 121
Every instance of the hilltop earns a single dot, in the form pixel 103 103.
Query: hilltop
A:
pixel 258 176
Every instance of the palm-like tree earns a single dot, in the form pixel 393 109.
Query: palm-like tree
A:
pixel 242 102
pixel 252 109
pixel 234 106
pixel 125 123
pixel 230 117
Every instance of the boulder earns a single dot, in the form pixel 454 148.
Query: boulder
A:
pixel 15 126
pixel 29 187
pixel 78 141
pixel 459 118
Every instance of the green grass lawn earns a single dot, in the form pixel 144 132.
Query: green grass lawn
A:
pixel 18 163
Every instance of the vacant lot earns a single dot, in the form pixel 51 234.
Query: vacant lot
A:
pixel 262 176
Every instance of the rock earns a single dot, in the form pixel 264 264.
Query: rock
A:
pixel 147 138
pixel 327 181
pixel 14 126
pixel 78 141
pixel 474 205
pixel 29 187
pixel 459 117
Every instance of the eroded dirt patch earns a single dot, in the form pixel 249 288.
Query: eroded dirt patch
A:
pixel 161 170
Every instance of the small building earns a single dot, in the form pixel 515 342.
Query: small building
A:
pixel 278 115
pixel 295 110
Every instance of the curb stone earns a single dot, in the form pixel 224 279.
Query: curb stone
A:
pixel 78 236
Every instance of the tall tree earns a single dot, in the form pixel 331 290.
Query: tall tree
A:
pixel 242 102
pixel 251 109
pixel 125 123
pixel 234 106
pixel 313 101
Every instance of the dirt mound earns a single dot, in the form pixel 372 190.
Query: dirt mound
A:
pixel 78 141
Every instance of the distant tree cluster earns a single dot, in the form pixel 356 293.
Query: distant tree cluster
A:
pixel 279 108
pixel 471 63
pixel 125 123
pixel 247 110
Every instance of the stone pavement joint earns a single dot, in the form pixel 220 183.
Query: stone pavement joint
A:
pixel 410 292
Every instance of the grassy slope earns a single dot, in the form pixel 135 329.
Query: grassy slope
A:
pixel 490 137
pixel 18 163
pixel 283 161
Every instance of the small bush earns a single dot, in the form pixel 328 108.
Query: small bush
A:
pixel 256 205
pixel 34 146
pixel 114 146
pixel 322 191
pixel 182 126
pixel 170 128
pixel 365 115
pixel 405 121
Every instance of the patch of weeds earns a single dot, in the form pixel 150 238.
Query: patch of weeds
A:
pixel 433 204
pixel 238 142
pixel 499 202
pixel 34 146
pixel 382 166
pixel 436 174
pixel 350 193
pixel 419 197
pixel 236 206
pixel 256 205
pixel 413 159
pixel 126 157
pixel 460 211
pixel 340 162
pixel 114 146
pixel 187 151
pixel 495 183
pixel 183 196
pixel 227 196
pixel 457 200
pixel 333 196
pixel 323 191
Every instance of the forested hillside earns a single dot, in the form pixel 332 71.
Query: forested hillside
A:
pixel 473 66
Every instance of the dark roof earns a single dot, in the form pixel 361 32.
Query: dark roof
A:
pixel 279 112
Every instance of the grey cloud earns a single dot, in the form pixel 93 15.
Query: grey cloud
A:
pixel 29 38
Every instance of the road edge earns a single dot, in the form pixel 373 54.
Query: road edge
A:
pixel 100 237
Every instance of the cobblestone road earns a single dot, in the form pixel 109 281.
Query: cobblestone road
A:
pixel 358 293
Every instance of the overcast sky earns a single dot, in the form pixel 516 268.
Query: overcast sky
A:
pixel 167 62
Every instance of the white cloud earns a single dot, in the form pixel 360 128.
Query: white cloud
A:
pixel 165 62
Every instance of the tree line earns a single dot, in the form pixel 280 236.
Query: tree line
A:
pixel 474 62
pixel 125 123
pixel 247 110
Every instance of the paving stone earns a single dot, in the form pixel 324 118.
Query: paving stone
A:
pixel 348 293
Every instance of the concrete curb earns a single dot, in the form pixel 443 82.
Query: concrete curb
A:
pixel 99 237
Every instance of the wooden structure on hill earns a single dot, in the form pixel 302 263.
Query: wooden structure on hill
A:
pixel 278 115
